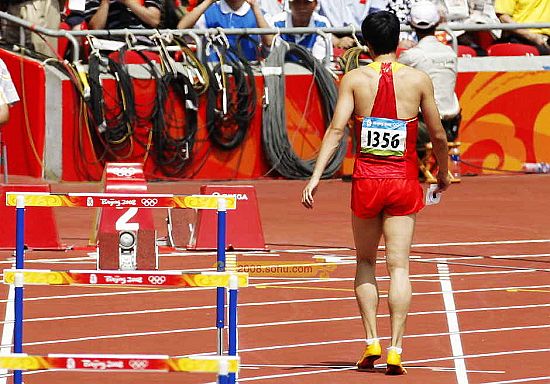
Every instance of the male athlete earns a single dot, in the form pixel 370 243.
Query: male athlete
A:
pixel 385 97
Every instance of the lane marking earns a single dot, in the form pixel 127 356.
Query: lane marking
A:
pixel 267 303
pixel 544 378
pixel 452 322
pixel 497 242
pixel 309 288
pixel 406 363
pixel 528 290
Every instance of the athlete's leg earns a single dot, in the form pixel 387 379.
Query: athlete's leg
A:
pixel 366 233
pixel 398 233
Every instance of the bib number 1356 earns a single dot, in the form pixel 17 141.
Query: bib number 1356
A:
pixel 383 137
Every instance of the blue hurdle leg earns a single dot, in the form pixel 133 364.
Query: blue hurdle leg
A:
pixel 19 264
pixel 220 291
pixel 233 337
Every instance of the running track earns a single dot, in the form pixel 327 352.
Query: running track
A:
pixel 480 312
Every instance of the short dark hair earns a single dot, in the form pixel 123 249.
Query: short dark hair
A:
pixel 381 31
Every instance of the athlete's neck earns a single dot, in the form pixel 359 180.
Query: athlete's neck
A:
pixel 386 58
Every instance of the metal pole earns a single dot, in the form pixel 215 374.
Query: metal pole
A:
pixel 220 291
pixel 233 338
pixel 3 158
pixel 19 264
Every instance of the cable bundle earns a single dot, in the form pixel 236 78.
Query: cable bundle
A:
pixel 231 101
pixel 277 146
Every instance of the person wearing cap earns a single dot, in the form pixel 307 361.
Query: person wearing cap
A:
pixel 440 62
pixel 230 14
pixel 526 11
pixel 302 13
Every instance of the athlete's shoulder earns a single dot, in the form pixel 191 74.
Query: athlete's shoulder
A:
pixel 413 74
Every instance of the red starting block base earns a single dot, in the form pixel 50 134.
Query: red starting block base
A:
pixel 127 178
pixel 40 229
pixel 244 227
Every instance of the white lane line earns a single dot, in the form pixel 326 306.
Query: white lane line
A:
pixel 406 363
pixel 267 303
pixel 273 324
pixel 452 322
pixel 528 379
pixel 311 366
pixel 7 329
pixel 497 242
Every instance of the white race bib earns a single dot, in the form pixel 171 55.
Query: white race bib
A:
pixel 383 137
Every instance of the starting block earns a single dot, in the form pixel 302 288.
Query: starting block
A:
pixel 41 230
pixel 126 237
pixel 244 227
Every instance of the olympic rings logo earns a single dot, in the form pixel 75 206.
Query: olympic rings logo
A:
pixel 124 172
pixel 149 202
pixel 138 364
pixel 157 280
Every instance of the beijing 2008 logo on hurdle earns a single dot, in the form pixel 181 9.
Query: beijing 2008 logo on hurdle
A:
pixel 138 364
pixel 157 280
pixel 149 202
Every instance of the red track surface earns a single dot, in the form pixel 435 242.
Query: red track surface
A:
pixel 319 338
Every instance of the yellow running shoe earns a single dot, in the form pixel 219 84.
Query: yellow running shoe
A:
pixel 372 353
pixel 394 366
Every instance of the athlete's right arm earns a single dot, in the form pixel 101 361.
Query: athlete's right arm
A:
pixel 342 113
pixel 438 137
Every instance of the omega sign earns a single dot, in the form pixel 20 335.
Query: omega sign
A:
pixel 239 196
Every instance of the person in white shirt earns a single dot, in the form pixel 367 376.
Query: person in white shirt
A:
pixel 440 62
pixel 302 13
pixel 8 93
pixel 343 13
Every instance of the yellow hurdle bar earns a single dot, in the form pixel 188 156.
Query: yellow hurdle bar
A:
pixel 126 363
pixel 124 278
pixel 119 200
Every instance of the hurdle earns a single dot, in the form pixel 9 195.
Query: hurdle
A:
pixel 225 366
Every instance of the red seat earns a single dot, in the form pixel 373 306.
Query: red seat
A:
pixel 466 51
pixel 512 49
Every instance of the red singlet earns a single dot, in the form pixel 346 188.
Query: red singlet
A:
pixel 385 174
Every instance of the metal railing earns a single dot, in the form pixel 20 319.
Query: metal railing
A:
pixel 196 34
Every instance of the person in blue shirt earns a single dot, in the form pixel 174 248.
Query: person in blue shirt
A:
pixel 303 14
pixel 230 14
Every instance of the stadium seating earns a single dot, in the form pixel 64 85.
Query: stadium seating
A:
pixel 466 51
pixel 512 49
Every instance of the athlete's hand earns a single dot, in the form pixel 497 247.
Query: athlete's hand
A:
pixel 308 193
pixel 443 181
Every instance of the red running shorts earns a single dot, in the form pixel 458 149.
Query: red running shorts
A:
pixel 394 197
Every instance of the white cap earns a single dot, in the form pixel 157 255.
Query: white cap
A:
pixel 424 15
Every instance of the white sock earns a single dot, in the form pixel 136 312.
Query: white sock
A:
pixel 396 349
pixel 372 341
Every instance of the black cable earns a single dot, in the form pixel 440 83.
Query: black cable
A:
pixel 228 130
pixel 277 146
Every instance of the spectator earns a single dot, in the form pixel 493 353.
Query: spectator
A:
pixel 343 13
pixel 526 11
pixel 271 8
pixel 44 13
pixel 230 14
pixel 402 9
pixel 302 14
pixel 121 14
pixel 472 11
pixel 8 94
pixel 439 61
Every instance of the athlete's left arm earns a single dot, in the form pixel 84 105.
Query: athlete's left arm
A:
pixel 148 15
pixel 342 113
